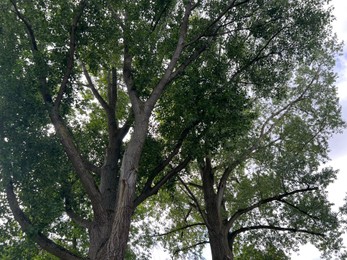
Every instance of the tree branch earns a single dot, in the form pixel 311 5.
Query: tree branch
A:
pixel 73 215
pixel 149 191
pixel 233 234
pixel 195 200
pixel 62 131
pixel 240 212
pixel 27 227
pixel 191 246
pixel 179 229
pixel 96 93
pixel 166 162
pixel 158 90
pixel 262 135
pixel 298 209
pixel 70 60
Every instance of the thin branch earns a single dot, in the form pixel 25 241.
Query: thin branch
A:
pixel 27 227
pixel 285 108
pixel 179 229
pixel 240 212
pixel 94 90
pixel 233 234
pixel 191 246
pixel 262 135
pixel 195 200
pixel 79 220
pixel 70 60
pixel 149 191
pixel 298 209
pixel 128 76
pixel 169 158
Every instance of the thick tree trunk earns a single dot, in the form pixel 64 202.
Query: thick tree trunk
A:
pixel 98 235
pixel 124 209
pixel 219 245
pixel 217 230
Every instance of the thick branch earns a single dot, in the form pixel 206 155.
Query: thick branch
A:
pixel 65 136
pixel 158 90
pixel 112 89
pixel 28 228
pixel 240 212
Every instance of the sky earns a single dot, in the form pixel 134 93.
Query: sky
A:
pixel 338 143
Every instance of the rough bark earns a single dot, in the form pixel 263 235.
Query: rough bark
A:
pixel 117 243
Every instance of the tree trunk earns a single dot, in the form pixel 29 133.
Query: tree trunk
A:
pixel 217 230
pixel 124 209
pixel 219 245
pixel 98 235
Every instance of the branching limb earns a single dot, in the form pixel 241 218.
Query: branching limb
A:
pixel 94 90
pixel 63 132
pixel 190 247
pixel 169 158
pixel 44 242
pixel 179 229
pixel 71 55
pixel 240 212
pixel 158 90
pixel 149 191
pixel 263 133
pixel 233 234
pixel 191 195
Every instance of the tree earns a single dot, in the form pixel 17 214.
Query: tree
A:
pixel 78 78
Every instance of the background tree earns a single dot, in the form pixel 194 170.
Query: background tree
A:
pixel 77 77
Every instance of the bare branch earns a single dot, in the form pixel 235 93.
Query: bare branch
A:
pixel 45 243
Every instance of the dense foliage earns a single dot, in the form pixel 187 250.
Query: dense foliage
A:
pixel 210 116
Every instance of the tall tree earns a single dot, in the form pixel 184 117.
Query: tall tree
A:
pixel 83 143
